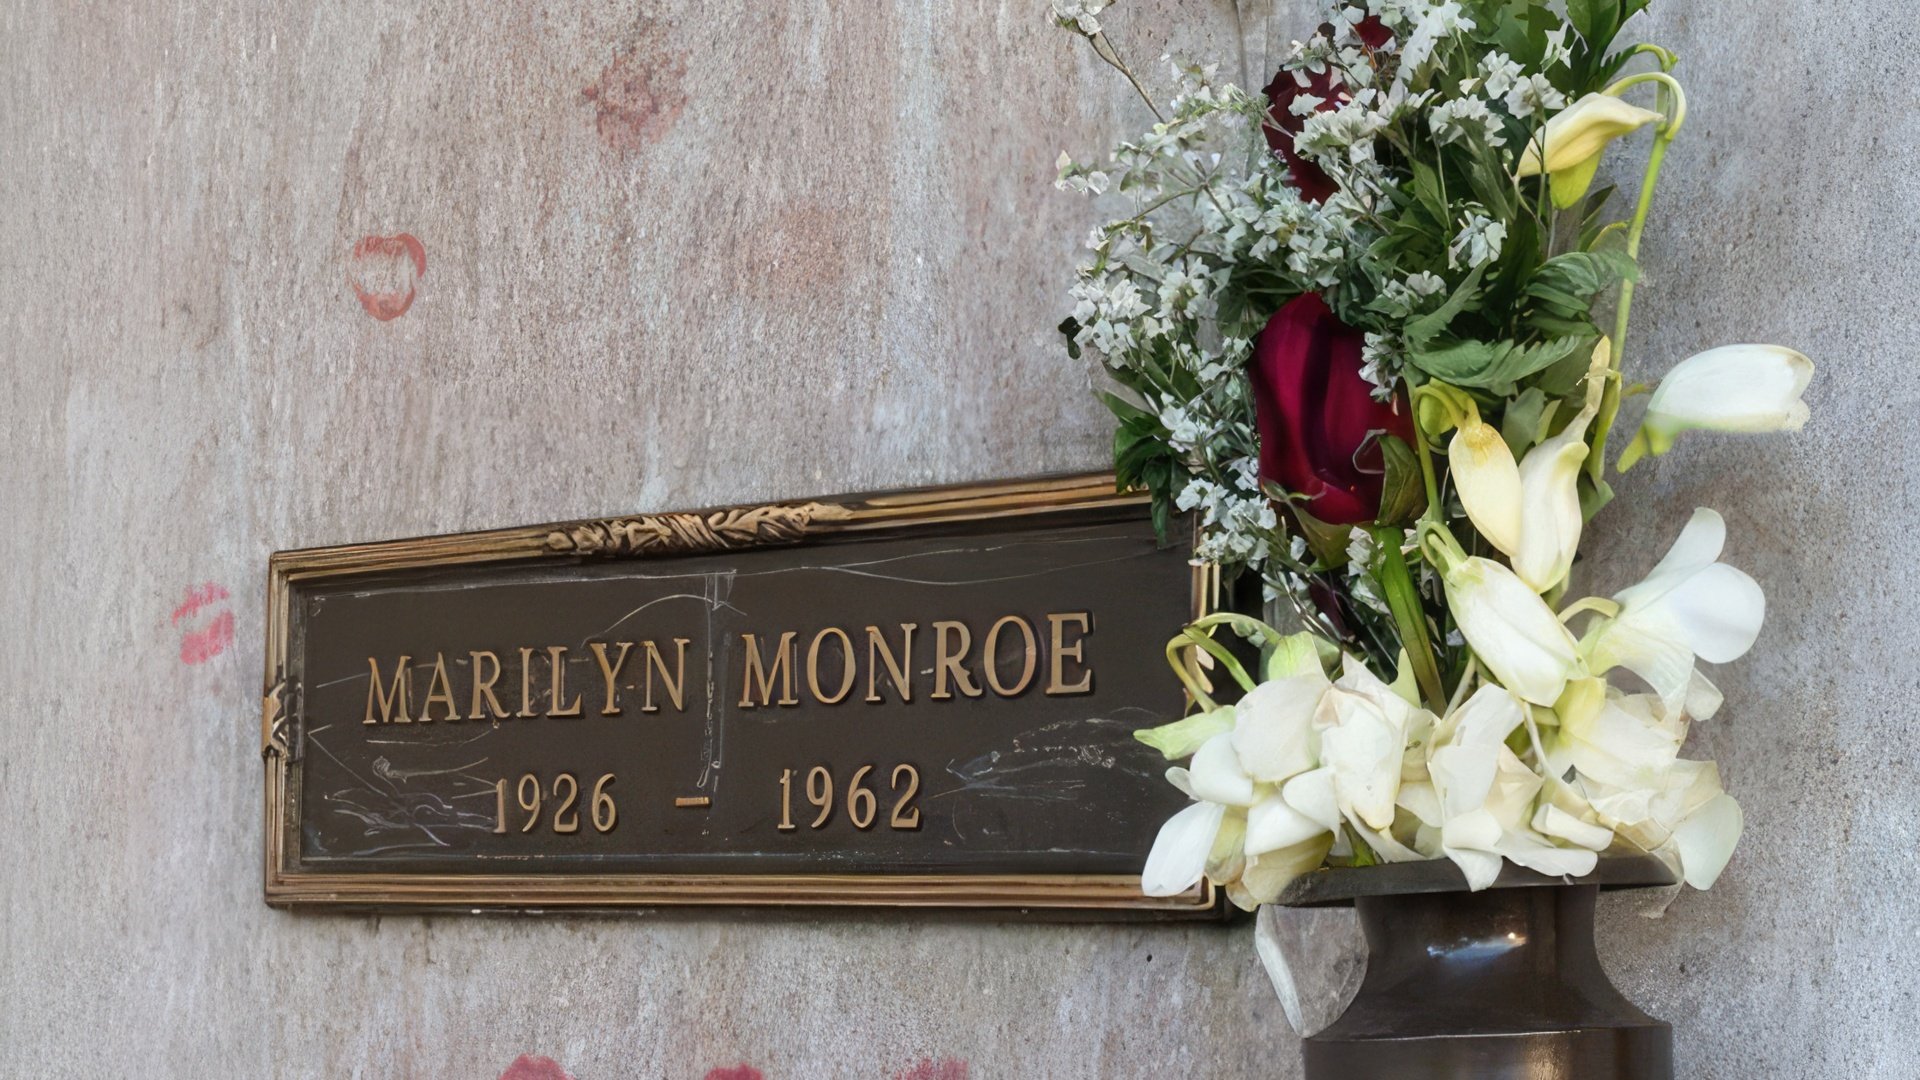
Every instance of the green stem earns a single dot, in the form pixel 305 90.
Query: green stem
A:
pixel 1403 600
pixel 1103 48
pixel 1663 138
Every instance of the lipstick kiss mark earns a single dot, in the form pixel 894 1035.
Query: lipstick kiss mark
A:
pixel 383 271
pixel 742 1071
pixel 530 1067
pixel 197 646
pixel 638 96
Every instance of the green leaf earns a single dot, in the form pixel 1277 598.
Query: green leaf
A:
pixel 1125 410
pixel 1403 492
pixel 1182 737
pixel 1520 424
pixel 1560 379
pixel 1494 366
pixel 1423 330
pixel 1297 654
pixel 1594 494
pixel 1329 542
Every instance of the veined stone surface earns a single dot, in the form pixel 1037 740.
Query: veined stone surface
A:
pixel 281 275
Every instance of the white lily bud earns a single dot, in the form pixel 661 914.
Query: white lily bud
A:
pixel 1569 147
pixel 1550 508
pixel 1747 388
pixel 1511 629
pixel 1488 480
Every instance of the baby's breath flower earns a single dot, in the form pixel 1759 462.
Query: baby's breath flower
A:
pixel 1080 16
pixel 1454 120
pixel 1479 241
pixel 1558 51
pixel 1500 72
pixel 1532 94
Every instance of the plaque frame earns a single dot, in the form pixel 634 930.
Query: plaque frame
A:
pixel 643 536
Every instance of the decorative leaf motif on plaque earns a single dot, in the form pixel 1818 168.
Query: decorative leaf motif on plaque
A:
pixel 689 534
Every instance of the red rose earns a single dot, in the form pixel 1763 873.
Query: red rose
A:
pixel 1319 423
pixel 1282 125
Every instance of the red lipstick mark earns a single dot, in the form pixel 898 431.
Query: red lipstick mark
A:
pixel 637 97
pixel 741 1071
pixel 383 271
pixel 197 646
pixel 944 1069
pixel 529 1067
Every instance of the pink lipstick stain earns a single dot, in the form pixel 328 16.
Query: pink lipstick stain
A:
pixel 197 646
pixel 928 1069
pixel 638 96
pixel 742 1071
pixel 383 271
pixel 532 1067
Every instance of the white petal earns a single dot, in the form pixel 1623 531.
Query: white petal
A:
pixel 1463 775
pixel 1512 630
pixel 1719 610
pixel 1534 853
pixel 1216 775
pixel 1553 821
pixel 1706 840
pixel 1488 481
pixel 1703 698
pixel 1268 874
pixel 1180 851
pixel 1364 751
pixel 1475 831
pixel 1696 548
pixel 1582 130
pixel 1273 726
pixel 1650 644
pixel 1486 718
pixel 1272 825
pixel 1183 780
pixel 1312 794
pixel 1733 388
pixel 1550 517
pixel 1481 868
pixel 1624 745
pixel 1419 798
pixel 1385 846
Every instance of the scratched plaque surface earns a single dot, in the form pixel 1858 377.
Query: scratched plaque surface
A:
pixel 920 698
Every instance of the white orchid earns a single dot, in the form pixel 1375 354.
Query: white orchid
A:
pixel 1513 632
pixel 1692 606
pixel 1626 763
pixel 1261 813
pixel 1487 797
pixel 1746 388
pixel 1363 726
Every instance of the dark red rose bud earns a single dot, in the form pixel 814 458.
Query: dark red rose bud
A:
pixel 1282 125
pixel 1372 32
pixel 1319 424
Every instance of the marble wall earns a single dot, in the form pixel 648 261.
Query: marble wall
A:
pixel 281 275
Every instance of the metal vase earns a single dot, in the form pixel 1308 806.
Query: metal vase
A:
pixel 1502 984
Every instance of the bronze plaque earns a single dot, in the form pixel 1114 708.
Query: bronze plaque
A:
pixel 919 698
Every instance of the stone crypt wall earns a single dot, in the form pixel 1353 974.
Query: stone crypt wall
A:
pixel 283 275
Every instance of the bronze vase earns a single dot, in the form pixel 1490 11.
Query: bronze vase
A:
pixel 1501 984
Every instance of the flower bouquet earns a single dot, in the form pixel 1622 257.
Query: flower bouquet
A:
pixel 1370 325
